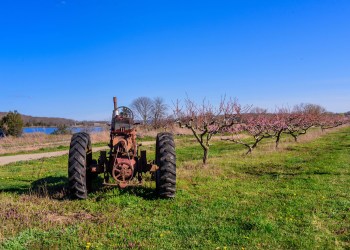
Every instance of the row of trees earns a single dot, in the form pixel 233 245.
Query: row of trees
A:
pixel 233 121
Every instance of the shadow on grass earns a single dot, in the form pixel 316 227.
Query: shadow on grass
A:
pixel 15 190
pixel 290 174
pixel 145 193
pixel 140 191
pixel 54 187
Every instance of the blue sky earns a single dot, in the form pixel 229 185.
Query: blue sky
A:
pixel 69 58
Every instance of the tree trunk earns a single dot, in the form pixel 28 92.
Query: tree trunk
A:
pixel 295 138
pixel 277 143
pixel 278 138
pixel 205 155
pixel 250 150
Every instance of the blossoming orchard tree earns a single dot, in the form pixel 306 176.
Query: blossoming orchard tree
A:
pixel 280 118
pixel 258 125
pixel 205 120
pixel 261 125
pixel 328 121
pixel 302 118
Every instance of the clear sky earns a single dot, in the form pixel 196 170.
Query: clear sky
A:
pixel 69 58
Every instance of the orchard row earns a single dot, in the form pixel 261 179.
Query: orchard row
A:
pixel 235 122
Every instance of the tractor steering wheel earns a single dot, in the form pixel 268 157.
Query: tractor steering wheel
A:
pixel 125 112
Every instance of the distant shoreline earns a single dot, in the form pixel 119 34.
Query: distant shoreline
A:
pixel 51 129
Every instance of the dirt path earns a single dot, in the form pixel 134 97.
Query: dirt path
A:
pixel 27 157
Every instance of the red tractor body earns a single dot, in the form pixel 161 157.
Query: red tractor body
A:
pixel 125 163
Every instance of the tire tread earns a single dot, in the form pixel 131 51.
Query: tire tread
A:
pixel 79 155
pixel 166 161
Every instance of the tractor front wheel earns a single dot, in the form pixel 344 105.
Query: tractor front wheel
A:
pixel 166 160
pixel 80 157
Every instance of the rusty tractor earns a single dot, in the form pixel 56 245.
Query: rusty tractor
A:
pixel 124 164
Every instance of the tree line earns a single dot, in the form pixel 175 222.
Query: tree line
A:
pixel 228 118
pixel 234 121
pixel 150 111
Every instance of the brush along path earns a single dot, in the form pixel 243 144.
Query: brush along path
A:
pixel 27 157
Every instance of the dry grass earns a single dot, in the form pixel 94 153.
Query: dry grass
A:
pixel 142 131
pixel 30 142
pixel 98 137
pixel 36 141
pixel 29 211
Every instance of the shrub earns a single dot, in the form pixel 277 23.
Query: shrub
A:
pixel 12 124
pixel 62 130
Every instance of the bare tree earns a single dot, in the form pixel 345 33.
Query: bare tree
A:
pixel 159 110
pixel 258 110
pixel 309 108
pixel 143 106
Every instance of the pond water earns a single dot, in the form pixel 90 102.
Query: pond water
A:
pixel 50 130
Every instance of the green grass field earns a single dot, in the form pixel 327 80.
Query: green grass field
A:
pixel 295 198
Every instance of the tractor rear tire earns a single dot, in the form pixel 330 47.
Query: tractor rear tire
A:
pixel 80 157
pixel 166 161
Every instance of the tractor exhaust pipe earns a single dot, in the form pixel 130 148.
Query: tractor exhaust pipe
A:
pixel 115 102
pixel 114 113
